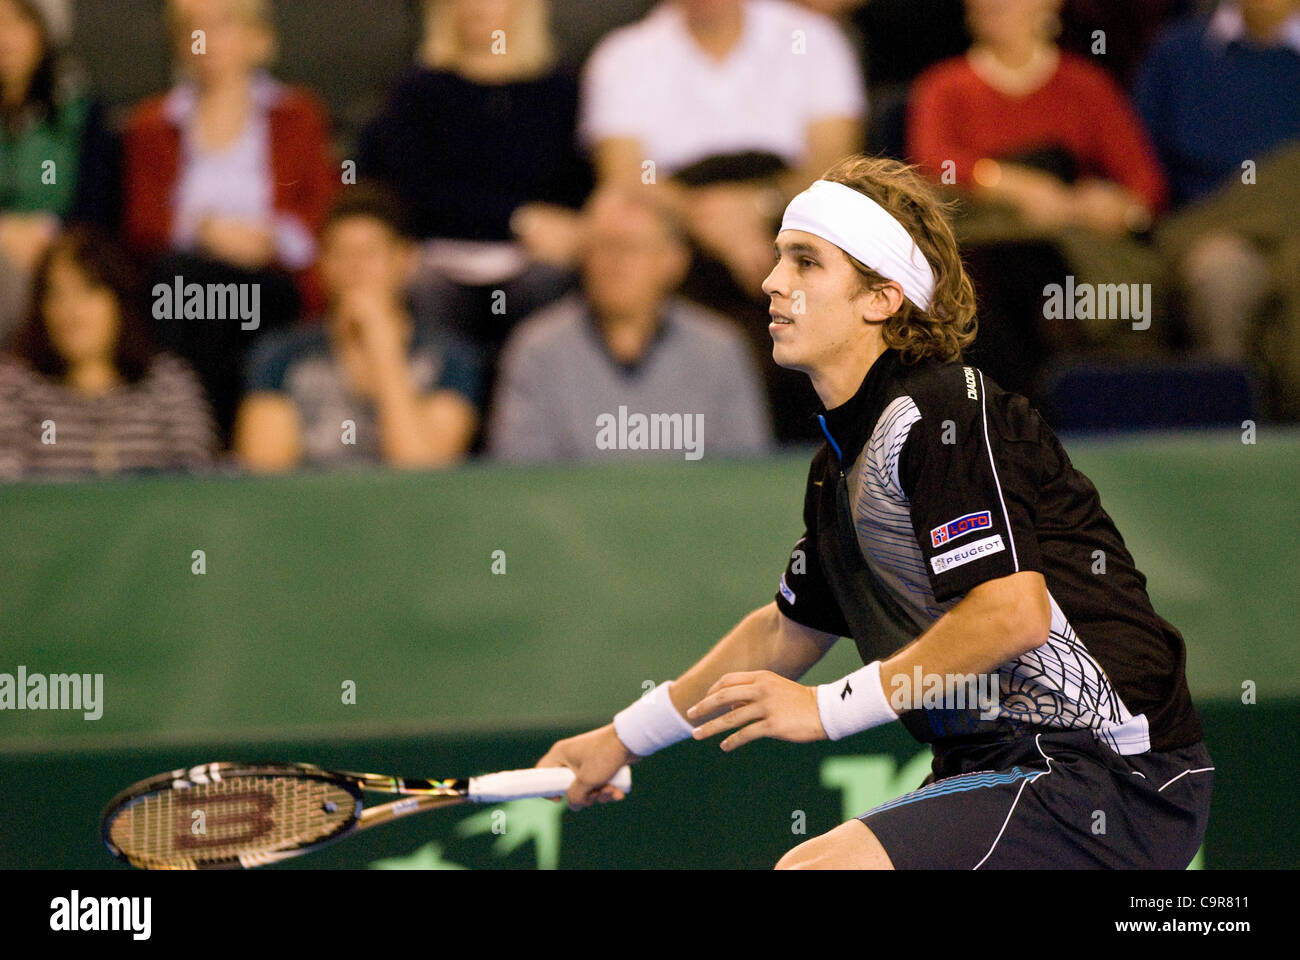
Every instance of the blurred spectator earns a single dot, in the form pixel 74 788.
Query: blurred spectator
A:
pixel 84 391
pixel 1222 96
pixel 369 384
pixel 57 160
pixel 230 163
pixel 627 347
pixel 739 104
pixel 1044 142
pixel 478 141
pixel 901 38
pixel 1222 89
pixel 229 174
pixel 727 108
pixel 898 39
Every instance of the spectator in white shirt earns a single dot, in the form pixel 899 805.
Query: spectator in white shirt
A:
pixel 762 95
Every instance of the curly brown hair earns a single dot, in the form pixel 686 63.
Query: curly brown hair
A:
pixel 949 325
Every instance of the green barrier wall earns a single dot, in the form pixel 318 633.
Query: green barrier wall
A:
pixel 613 576
pixel 691 806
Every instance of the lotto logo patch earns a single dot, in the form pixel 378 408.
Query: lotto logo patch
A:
pixel 786 591
pixel 960 527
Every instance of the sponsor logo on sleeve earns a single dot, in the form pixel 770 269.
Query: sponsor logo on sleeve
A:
pixel 968 552
pixel 970 384
pixel 786 591
pixel 960 527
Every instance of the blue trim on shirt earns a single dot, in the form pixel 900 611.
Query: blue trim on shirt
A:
pixel 835 446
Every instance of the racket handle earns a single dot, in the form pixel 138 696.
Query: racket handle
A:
pixel 535 782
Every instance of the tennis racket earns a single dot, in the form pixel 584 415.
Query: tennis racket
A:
pixel 229 815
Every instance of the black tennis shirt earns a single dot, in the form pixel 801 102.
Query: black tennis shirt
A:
pixel 933 480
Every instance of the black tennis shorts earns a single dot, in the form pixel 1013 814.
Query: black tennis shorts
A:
pixel 1051 800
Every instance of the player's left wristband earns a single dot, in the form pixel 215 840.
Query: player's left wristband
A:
pixel 854 703
pixel 651 723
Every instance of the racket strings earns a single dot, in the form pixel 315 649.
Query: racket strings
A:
pixel 226 819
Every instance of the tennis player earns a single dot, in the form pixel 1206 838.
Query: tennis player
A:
pixel 947 533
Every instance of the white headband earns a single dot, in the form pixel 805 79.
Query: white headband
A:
pixel 863 229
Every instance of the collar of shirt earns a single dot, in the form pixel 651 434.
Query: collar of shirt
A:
pixel 183 99
pixel 849 426
pixel 1228 26
pixel 663 322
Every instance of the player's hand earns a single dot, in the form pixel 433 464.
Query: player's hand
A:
pixel 594 757
pixel 762 704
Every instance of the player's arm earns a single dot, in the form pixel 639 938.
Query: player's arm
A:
pixel 995 622
pixel 764 640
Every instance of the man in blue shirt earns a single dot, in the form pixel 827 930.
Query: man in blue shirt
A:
pixel 1220 90
pixel 371 384
pixel 1220 96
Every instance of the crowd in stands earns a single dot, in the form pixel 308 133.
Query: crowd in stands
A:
pixel 514 247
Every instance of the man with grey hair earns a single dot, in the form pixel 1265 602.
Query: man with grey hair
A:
pixel 624 366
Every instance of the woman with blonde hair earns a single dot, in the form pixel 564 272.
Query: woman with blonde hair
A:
pixel 228 178
pixel 478 141
pixel 947 533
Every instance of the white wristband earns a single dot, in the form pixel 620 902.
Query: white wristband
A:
pixel 854 703
pixel 651 723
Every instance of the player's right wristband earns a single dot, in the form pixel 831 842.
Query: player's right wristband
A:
pixel 651 723
pixel 854 703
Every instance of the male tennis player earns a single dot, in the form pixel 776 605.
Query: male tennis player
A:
pixel 946 532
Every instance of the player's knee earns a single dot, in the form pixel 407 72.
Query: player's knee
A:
pixel 850 846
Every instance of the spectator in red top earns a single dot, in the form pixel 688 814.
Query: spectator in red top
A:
pixel 228 178
pixel 1045 138
pixel 227 110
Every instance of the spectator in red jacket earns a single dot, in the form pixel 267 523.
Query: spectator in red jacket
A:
pixel 228 178
pixel 1046 138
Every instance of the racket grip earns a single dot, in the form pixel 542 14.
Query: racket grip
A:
pixel 535 782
